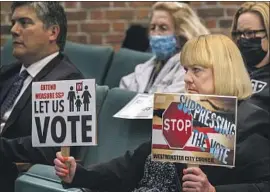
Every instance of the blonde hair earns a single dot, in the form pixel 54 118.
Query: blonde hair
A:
pixel 261 8
pixel 186 21
pixel 221 54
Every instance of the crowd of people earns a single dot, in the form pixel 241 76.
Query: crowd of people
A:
pixel 187 59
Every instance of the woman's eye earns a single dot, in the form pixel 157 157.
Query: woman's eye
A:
pixel 196 70
pixel 152 27
pixel 163 27
pixel 23 22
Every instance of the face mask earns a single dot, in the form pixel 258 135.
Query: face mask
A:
pixel 163 46
pixel 252 51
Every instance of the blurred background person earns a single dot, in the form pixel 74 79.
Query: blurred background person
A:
pixel 171 25
pixel 250 31
pixel 136 37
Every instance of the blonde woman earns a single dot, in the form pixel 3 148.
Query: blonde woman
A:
pixel 213 66
pixel 250 31
pixel 171 25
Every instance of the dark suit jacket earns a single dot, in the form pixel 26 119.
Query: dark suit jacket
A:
pixel 251 173
pixel 15 140
pixel 261 97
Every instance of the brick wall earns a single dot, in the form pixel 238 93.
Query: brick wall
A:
pixel 105 23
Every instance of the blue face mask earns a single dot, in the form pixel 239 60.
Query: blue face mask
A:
pixel 163 46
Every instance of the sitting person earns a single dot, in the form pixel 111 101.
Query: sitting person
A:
pixel 39 31
pixel 172 24
pixel 250 31
pixel 214 66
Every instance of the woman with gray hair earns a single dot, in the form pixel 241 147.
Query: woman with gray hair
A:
pixel 171 25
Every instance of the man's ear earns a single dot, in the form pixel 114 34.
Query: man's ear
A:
pixel 54 31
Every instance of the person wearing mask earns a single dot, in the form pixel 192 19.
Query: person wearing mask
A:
pixel 171 25
pixel 250 31
pixel 208 61
pixel 38 32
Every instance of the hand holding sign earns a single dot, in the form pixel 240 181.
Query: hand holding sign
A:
pixel 66 173
pixel 194 179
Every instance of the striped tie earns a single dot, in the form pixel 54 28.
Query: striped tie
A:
pixel 13 92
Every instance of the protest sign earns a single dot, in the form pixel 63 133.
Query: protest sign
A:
pixel 64 113
pixel 194 129
pixel 140 107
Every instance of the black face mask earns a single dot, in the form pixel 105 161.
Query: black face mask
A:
pixel 252 51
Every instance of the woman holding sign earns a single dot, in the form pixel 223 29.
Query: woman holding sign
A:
pixel 213 66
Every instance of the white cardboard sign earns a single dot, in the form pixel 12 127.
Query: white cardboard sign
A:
pixel 140 107
pixel 64 113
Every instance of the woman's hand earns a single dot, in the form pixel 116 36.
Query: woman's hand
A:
pixel 65 173
pixel 194 180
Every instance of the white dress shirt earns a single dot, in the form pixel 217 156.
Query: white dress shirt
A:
pixel 32 70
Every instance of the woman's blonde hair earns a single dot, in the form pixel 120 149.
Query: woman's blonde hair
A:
pixel 186 22
pixel 221 54
pixel 261 8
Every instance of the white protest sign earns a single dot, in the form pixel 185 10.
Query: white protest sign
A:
pixel 64 113
pixel 140 107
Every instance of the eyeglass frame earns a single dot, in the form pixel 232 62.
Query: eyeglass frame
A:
pixel 238 34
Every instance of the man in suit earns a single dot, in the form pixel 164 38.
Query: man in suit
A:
pixel 39 33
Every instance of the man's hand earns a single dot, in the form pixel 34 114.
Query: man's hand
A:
pixel 65 173
pixel 194 180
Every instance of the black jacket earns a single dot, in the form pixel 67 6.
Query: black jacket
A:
pixel 260 82
pixel 15 140
pixel 251 173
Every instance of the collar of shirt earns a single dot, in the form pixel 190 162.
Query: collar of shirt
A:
pixel 36 67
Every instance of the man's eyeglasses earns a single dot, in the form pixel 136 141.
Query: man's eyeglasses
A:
pixel 247 34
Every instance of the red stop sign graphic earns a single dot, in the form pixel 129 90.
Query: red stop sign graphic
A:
pixel 177 126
